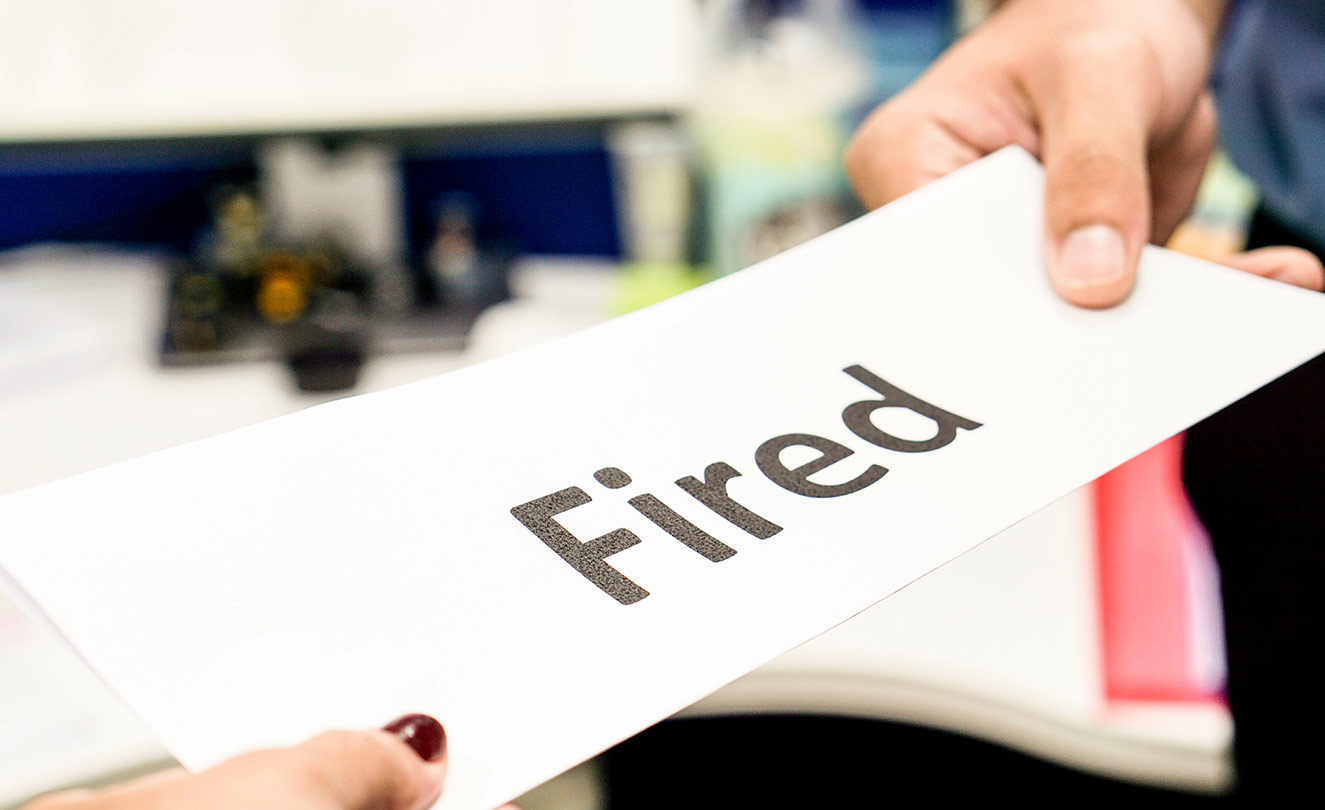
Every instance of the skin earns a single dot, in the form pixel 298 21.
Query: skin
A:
pixel 1111 96
pixel 338 770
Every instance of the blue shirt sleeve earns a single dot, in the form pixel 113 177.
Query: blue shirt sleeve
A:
pixel 1270 88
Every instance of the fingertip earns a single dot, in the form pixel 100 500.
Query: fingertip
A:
pixel 426 739
pixel 377 768
pixel 1092 267
pixel 1097 297
pixel 1295 266
pixel 422 733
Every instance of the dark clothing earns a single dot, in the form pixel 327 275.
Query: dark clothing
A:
pixel 1255 473
pixel 1271 92
pixel 1256 470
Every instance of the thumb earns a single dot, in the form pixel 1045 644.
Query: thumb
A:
pixel 400 767
pixel 1094 109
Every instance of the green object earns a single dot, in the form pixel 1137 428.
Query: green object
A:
pixel 641 284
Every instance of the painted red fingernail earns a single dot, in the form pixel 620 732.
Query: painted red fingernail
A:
pixel 420 732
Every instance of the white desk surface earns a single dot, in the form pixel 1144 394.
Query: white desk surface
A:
pixel 988 645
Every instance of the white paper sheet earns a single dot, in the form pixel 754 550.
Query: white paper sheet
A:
pixel 359 560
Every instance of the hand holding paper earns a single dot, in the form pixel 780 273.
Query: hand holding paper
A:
pixel 400 767
pixel 1113 97
pixel 554 550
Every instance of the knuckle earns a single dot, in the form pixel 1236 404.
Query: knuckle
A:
pixel 1108 48
pixel 885 158
pixel 855 158
pixel 1204 124
pixel 1093 166
pixel 874 139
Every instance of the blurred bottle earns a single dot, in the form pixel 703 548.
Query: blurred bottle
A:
pixel 652 170
pixel 464 272
pixel 238 231
pixel 779 82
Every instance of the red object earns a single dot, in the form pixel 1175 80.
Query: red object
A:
pixel 420 732
pixel 1148 542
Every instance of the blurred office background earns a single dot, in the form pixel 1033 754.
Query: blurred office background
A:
pixel 215 213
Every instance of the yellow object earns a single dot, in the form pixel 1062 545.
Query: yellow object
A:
pixel 1217 225
pixel 281 298
pixel 644 283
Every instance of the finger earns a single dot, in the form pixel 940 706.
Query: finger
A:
pixel 1301 268
pixel 1095 102
pixel 86 799
pixel 897 151
pixel 64 800
pixel 399 768
pixel 1178 166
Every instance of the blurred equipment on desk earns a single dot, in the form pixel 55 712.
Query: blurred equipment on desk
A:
pixel 252 290
pixel 363 175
